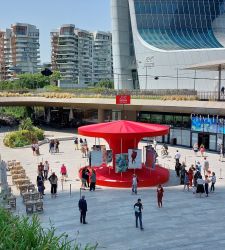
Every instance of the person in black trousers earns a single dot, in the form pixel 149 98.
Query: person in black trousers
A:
pixel 138 207
pixel 83 209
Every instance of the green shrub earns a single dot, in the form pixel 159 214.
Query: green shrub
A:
pixel 22 138
pixel 25 233
pixel 39 133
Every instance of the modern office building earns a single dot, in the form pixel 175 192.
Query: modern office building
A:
pixel 154 41
pixel 81 56
pixel 19 50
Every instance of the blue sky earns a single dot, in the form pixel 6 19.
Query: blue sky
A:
pixel 50 14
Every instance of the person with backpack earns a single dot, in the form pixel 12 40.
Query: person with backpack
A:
pixel 138 207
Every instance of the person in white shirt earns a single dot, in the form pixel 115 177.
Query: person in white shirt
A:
pixel 177 156
pixel 134 184
pixel 200 186
pixel 46 170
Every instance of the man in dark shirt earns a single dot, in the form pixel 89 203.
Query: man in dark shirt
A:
pixel 83 209
pixel 138 207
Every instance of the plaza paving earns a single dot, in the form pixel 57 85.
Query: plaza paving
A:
pixel 184 222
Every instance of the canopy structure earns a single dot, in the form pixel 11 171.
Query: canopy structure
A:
pixel 121 136
pixel 211 66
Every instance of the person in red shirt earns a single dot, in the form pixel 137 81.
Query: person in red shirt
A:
pixel 190 175
pixel 160 192
pixel 63 172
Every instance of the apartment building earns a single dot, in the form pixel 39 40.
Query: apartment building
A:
pixel 19 46
pixel 102 56
pixel 81 56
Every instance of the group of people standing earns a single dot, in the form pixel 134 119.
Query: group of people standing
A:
pixel 88 178
pixel 43 172
pixel 54 146
pixel 193 177
pixel 35 148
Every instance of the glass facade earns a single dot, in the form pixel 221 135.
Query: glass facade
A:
pixel 179 24
pixel 182 131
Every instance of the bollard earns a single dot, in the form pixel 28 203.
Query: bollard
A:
pixel 62 184
pixel 221 174
pixel 70 189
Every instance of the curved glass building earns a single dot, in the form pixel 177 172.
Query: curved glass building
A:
pixel 158 39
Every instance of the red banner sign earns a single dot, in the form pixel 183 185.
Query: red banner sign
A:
pixel 123 99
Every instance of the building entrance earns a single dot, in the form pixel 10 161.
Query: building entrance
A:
pixel 203 139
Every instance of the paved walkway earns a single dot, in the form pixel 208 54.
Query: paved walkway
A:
pixel 184 222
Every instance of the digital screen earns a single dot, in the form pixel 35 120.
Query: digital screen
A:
pixel 207 124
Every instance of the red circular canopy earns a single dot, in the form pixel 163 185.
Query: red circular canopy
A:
pixel 123 129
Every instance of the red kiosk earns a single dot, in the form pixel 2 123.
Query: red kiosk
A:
pixel 121 136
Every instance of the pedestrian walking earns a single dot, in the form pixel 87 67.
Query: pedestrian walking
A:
pixel 93 180
pixel 196 176
pixel 51 146
pixel 134 184
pixel 56 146
pixel 213 182
pixel 40 183
pixel 199 166
pixel 138 207
pixel 200 186
pixel 178 168
pixel 177 156
pixel 221 152
pixel 205 166
pixel 63 172
pixel 155 144
pixel 190 175
pixel 182 173
pixel 207 181
pixel 33 148
pixel 202 150
pixel 46 170
pixel 41 168
pixel 186 181
pixel 82 204
pixel 76 144
pixel 37 150
pixel 87 173
pixel 54 183
pixel 195 148
pixel 160 192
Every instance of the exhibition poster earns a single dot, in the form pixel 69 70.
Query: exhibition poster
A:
pixel 151 156
pixel 121 162
pixel 135 158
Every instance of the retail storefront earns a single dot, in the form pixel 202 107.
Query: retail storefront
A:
pixel 185 130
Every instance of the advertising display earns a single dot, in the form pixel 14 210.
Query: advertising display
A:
pixel 197 124
pixel 134 157
pixel 98 155
pixel 207 124
pixel 121 162
pixel 96 158
pixel 150 157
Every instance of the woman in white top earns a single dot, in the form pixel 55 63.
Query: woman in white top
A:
pixel 200 186
pixel 46 170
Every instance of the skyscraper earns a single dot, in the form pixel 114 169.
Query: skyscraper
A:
pixel 154 41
